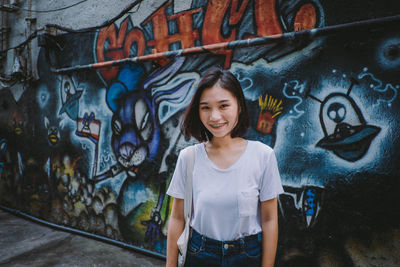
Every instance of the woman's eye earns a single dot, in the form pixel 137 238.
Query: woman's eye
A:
pixel 204 108
pixel 224 106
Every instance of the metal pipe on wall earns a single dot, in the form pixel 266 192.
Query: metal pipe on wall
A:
pixel 290 36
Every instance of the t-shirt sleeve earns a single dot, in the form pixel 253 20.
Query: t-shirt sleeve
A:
pixel 176 188
pixel 271 185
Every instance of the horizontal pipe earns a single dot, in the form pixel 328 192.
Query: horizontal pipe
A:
pixel 8 8
pixel 83 233
pixel 235 44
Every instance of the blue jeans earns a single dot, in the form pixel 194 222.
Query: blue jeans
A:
pixel 204 251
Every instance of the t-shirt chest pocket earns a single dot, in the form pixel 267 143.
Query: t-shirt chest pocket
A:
pixel 248 202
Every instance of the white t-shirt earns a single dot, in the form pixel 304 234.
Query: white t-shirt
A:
pixel 226 202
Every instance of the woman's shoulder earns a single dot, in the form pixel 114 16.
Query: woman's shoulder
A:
pixel 185 150
pixel 259 147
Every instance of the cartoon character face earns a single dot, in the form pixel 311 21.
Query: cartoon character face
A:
pixel 135 132
pixel 337 111
pixel 265 122
pixel 17 123
pixel 53 132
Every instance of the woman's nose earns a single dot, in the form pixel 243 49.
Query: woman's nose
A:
pixel 215 115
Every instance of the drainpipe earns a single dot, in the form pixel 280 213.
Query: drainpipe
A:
pixel 29 31
pixel 31 26
pixel 3 27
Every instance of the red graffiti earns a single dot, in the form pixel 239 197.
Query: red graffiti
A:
pixel 113 43
pixel 265 122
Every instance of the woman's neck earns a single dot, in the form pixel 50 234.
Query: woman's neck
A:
pixel 225 152
pixel 225 142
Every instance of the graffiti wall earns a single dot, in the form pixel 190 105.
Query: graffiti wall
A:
pixel 94 148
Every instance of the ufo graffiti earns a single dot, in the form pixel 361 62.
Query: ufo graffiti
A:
pixel 70 97
pixel 346 131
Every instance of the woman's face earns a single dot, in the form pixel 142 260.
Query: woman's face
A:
pixel 219 111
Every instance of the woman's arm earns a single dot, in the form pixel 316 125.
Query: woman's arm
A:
pixel 269 224
pixel 175 228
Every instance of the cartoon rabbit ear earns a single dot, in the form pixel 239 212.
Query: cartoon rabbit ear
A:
pixel 46 122
pixel 62 124
pixel 129 80
pixel 3 145
pixel 163 75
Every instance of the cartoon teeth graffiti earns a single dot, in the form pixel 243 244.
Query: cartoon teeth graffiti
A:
pixel 70 97
pixel 346 131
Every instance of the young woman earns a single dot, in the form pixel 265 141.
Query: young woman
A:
pixel 235 182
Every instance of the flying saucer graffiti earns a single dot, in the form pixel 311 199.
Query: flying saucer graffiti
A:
pixel 70 97
pixel 346 131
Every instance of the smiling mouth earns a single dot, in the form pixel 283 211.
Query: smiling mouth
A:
pixel 217 126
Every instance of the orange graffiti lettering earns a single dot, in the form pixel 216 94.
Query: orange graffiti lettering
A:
pixel 119 46
pixel 135 36
pixel 212 26
pixel 266 18
pixel 114 50
pixel 221 23
pixel 162 39
pixel 306 18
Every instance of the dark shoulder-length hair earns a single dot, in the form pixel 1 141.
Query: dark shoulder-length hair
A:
pixel 193 127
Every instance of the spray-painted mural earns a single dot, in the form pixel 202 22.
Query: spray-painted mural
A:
pixel 94 149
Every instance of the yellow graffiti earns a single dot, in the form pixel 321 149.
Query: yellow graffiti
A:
pixel 270 104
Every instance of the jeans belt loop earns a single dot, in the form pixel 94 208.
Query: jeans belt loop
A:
pixel 203 241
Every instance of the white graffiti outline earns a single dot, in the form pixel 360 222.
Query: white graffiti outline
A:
pixel 379 88
pixel 297 88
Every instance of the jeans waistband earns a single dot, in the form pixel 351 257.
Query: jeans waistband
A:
pixel 225 246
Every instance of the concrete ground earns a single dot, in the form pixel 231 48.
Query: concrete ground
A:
pixel 26 243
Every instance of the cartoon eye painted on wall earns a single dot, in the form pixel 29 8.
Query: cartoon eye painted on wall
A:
pixel 67 87
pixel 116 126
pixel 68 90
pixel 143 119
pixel 337 112
pixel 346 131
